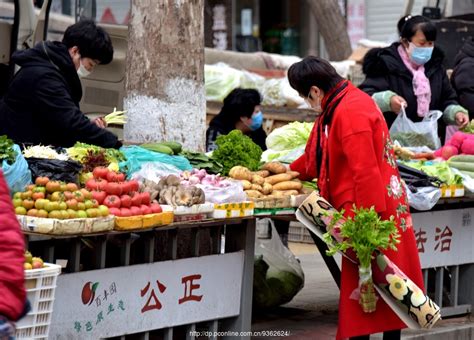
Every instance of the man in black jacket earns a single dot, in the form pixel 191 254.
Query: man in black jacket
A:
pixel 41 105
pixel 463 76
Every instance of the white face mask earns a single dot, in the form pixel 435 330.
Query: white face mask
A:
pixel 82 72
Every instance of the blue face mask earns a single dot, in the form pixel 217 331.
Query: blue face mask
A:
pixel 419 55
pixel 257 120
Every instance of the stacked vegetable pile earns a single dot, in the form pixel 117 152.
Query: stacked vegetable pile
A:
pixel 272 181
pixel 59 200
pixel 120 196
pixel 460 143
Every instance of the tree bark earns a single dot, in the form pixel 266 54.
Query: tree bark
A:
pixel 165 95
pixel 332 27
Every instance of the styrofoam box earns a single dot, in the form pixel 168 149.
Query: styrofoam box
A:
pixel 40 288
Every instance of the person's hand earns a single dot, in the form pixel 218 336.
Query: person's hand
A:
pixel 462 119
pixel 396 103
pixel 100 122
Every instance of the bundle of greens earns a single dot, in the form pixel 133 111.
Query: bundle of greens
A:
pixel 365 233
pixel 236 149
pixel 201 161
pixel 6 150
pixel 82 150
pixel 116 118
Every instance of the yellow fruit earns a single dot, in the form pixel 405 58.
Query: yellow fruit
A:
pixel 27 266
pixel 28 257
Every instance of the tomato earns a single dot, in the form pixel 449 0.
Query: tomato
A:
pixel 156 208
pixel 28 203
pixel 126 201
pixel 115 211
pixel 120 177
pixel 100 172
pixel 112 201
pixel 72 203
pixel 125 212
pixel 136 199
pixel 26 194
pixel 37 195
pixel 87 194
pixel 95 203
pixel 134 185
pixel 32 212
pixel 79 196
pixel 145 198
pixel 113 188
pixel 145 209
pixel 99 196
pixel 71 187
pixel 126 187
pixel 112 176
pixel 31 187
pixel 96 184
pixel 135 210
pixel 41 181
pixel 53 186
pixel 68 195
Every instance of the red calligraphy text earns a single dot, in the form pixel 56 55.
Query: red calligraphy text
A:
pixel 421 240
pixel 443 238
pixel 189 286
pixel 152 302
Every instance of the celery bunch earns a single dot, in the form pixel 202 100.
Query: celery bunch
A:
pixel 116 117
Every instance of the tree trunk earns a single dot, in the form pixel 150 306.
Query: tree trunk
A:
pixel 332 26
pixel 165 95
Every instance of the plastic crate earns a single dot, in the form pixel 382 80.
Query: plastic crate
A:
pixel 299 233
pixel 40 288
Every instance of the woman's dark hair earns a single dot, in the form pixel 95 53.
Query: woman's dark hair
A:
pixel 312 71
pixel 93 42
pixel 238 103
pixel 402 22
pixel 418 22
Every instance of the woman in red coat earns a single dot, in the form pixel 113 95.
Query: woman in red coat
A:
pixel 350 152
pixel 12 258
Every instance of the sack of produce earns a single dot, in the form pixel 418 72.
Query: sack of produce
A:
pixel 14 166
pixel 220 79
pixel 424 133
pixel 278 275
pixel 55 169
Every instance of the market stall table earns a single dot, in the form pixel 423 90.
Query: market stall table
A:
pixel 195 284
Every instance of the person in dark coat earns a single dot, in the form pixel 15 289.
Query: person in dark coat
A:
pixel 41 105
pixel 241 111
pixel 463 76
pixel 410 73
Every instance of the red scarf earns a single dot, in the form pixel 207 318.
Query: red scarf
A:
pixel 329 104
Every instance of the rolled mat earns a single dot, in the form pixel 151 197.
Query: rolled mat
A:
pixel 401 294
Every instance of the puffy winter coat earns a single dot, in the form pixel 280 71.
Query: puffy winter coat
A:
pixel 463 76
pixel 385 70
pixel 12 249
pixel 41 105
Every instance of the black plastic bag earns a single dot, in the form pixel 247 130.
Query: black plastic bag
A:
pixel 54 169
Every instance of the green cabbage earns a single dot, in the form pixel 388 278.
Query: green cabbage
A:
pixel 439 170
pixel 289 136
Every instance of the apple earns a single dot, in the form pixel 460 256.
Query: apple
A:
pixel 37 263
pixel 27 266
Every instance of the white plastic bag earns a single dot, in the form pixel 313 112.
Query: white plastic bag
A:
pixel 424 133
pixel 153 171
pixel 424 198
pixel 278 276
pixel 229 194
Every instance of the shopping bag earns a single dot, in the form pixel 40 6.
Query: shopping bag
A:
pixel 17 175
pixel 278 276
pixel 424 133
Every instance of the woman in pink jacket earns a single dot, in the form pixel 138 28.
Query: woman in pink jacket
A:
pixel 12 249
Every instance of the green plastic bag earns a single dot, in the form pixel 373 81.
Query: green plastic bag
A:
pixel 136 156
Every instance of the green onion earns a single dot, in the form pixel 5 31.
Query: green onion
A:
pixel 116 117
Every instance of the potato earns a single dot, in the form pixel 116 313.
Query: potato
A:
pixel 287 185
pixel 256 179
pixel 246 184
pixel 256 187
pixel 274 167
pixel 267 188
pixel 294 174
pixel 278 178
pixel 253 193
pixel 285 192
pixel 262 173
pixel 240 172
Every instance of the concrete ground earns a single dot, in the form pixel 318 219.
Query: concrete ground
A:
pixel 312 314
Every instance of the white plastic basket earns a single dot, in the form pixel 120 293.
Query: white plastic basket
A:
pixel 40 287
